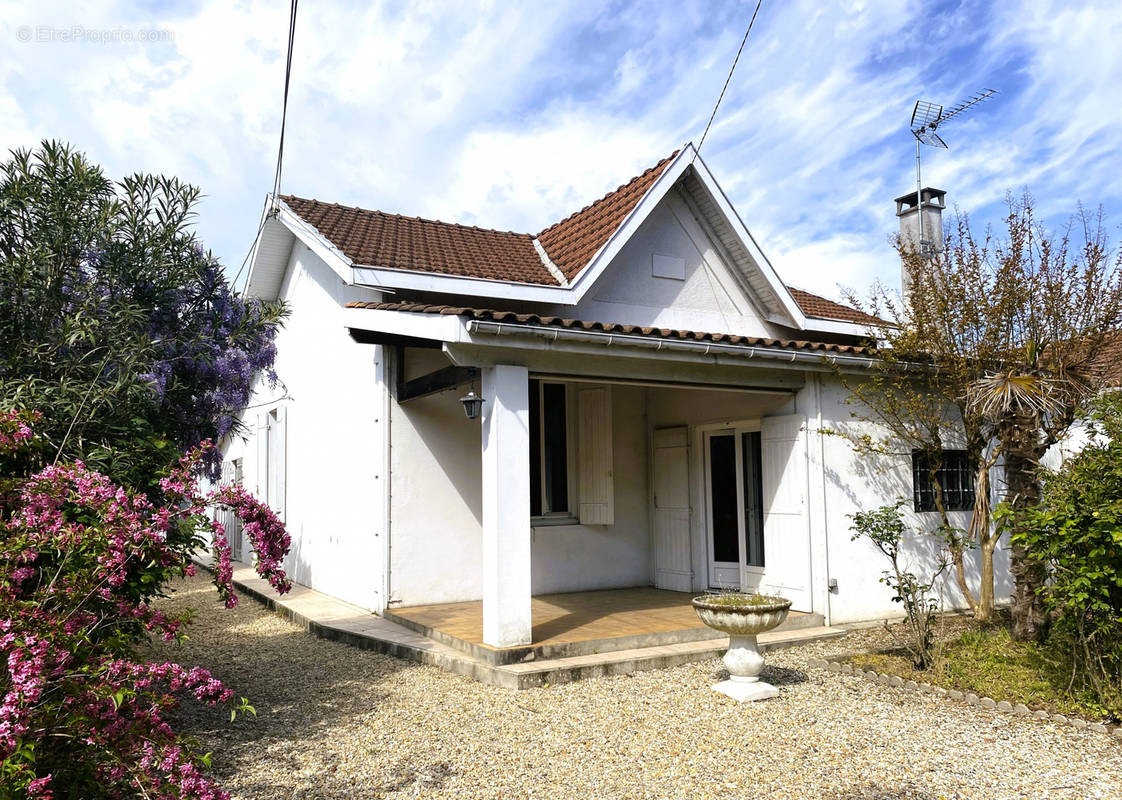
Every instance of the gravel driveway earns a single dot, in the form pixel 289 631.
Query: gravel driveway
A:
pixel 337 722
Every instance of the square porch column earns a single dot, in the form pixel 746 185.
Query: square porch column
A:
pixel 506 506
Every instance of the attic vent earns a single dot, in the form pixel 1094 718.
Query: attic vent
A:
pixel 671 267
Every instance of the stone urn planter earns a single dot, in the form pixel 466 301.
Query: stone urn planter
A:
pixel 743 617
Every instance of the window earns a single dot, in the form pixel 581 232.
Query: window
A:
pixel 954 473
pixel 232 472
pixel 549 450
pixel 271 459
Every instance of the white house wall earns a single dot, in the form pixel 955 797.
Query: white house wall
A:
pixel 332 506
pixel 436 547
pixel 569 558
pixel 861 483
pixel 436 499
pixel 696 290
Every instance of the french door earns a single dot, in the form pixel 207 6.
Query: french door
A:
pixel 734 507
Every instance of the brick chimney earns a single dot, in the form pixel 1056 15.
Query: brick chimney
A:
pixel 921 228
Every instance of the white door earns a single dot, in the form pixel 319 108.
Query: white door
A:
pixel 734 517
pixel 786 532
pixel 671 512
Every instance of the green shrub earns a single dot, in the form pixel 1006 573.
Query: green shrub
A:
pixel 1076 535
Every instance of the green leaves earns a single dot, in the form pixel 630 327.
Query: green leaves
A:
pixel 115 321
pixel 1075 537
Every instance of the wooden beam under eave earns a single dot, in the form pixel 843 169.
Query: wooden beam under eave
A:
pixel 392 339
pixel 438 381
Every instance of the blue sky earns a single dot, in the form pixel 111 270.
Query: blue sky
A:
pixel 511 116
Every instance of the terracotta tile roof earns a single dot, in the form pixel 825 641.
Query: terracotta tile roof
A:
pixel 394 241
pixel 377 239
pixel 609 327
pixel 815 306
pixel 572 242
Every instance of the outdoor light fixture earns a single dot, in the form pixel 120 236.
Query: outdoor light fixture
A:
pixel 473 404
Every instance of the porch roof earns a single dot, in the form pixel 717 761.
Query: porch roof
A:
pixel 535 320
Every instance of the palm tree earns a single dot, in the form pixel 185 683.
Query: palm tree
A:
pixel 1030 409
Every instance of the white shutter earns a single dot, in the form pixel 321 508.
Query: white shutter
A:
pixel 671 515
pixel 278 460
pixel 261 489
pixel 786 529
pixel 597 495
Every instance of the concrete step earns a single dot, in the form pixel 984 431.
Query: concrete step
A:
pixel 561 650
pixel 534 674
pixel 336 620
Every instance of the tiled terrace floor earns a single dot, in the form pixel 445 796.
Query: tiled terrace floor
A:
pixel 572 617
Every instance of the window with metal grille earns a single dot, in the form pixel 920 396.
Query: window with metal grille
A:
pixel 953 472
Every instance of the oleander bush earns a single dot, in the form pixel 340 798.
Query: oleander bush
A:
pixel 81 561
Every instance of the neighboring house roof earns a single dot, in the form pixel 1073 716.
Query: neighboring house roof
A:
pixel 554 258
pixel 816 306
pixel 510 317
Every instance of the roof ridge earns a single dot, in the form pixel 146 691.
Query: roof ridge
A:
pixel 608 195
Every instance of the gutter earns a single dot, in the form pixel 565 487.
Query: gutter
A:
pixel 660 343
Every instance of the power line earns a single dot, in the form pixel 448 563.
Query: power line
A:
pixel 256 239
pixel 284 108
pixel 272 199
pixel 729 78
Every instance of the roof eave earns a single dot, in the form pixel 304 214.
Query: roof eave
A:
pixel 452 328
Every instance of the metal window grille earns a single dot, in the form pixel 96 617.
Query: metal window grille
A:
pixel 954 474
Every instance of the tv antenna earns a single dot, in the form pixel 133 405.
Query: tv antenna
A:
pixel 926 120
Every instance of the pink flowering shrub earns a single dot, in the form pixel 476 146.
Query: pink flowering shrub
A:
pixel 15 429
pixel 81 562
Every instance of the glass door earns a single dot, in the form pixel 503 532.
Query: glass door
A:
pixel 734 505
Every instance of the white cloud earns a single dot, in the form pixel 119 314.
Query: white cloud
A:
pixel 514 115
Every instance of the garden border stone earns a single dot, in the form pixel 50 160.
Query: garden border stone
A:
pixel 988 703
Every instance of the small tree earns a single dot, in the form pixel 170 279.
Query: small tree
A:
pixel 1009 336
pixel 115 323
pixel 884 529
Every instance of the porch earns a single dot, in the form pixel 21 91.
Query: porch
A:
pixel 571 486
pixel 573 624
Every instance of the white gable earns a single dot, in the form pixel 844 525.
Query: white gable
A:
pixel 670 274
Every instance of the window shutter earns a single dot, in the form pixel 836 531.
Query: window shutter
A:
pixel 262 487
pixel 279 460
pixel 670 474
pixel 597 495
pixel 784 476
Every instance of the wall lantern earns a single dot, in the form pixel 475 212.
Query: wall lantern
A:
pixel 473 404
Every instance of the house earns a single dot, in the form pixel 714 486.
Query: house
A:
pixel 655 401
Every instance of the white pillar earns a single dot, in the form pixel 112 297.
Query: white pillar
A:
pixel 506 506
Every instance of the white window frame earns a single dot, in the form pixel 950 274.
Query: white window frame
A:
pixel 568 517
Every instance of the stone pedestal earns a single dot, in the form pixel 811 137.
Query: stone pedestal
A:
pixel 744 662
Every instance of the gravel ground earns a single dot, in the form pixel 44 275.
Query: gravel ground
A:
pixel 337 722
